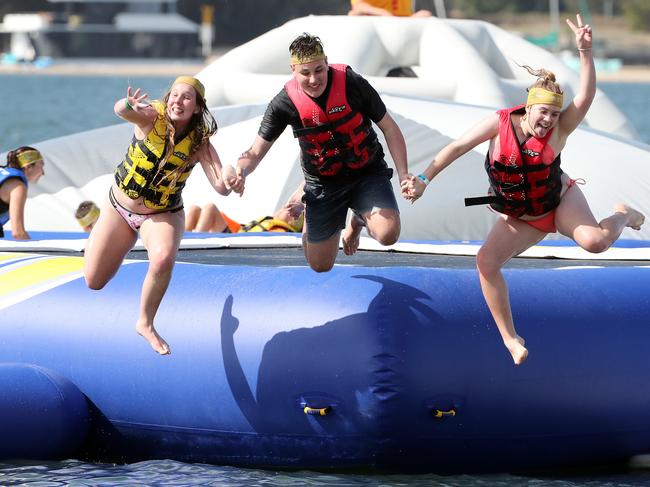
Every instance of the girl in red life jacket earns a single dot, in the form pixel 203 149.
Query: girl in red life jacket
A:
pixel 527 186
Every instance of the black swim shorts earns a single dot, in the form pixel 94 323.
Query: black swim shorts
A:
pixel 326 205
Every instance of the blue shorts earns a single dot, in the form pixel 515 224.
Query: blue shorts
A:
pixel 326 205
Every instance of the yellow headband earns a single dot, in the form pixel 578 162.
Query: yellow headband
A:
pixel 193 82
pixel 317 55
pixel 540 96
pixel 90 217
pixel 28 157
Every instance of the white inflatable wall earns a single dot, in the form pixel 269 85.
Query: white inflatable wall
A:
pixel 80 167
pixel 466 61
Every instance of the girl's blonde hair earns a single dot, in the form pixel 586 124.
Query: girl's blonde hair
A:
pixel 545 80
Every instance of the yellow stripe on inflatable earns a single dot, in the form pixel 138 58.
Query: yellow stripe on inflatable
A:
pixel 11 255
pixel 33 273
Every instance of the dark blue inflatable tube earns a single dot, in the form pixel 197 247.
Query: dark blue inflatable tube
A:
pixel 42 414
pixel 382 367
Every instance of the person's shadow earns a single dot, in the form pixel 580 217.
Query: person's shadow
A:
pixel 353 365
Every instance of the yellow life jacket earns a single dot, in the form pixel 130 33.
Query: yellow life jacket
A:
pixel 135 175
pixel 267 224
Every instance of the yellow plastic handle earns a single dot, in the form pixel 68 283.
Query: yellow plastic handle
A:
pixel 317 411
pixel 437 413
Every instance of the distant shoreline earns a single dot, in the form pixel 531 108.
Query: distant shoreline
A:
pixel 109 67
pixel 175 67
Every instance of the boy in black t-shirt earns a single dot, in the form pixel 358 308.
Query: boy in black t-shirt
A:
pixel 331 109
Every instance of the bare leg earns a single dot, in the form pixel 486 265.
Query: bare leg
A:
pixel 161 236
pixel 575 220
pixel 352 234
pixel 508 237
pixel 321 255
pixel 383 225
pixel 211 220
pixel 192 214
pixel 110 240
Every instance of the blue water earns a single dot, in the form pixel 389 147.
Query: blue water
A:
pixel 42 107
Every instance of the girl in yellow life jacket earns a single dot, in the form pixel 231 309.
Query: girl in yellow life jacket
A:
pixel 170 137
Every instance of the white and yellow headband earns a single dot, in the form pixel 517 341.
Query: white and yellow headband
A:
pixel 89 218
pixel 28 157
pixel 193 82
pixel 317 55
pixel 540 96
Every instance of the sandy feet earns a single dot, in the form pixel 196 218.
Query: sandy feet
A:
pixel 517 350
pixel 635 218
pixel 149 333
pixel 351 235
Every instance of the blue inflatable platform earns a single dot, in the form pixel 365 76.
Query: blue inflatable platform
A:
pixel 391 361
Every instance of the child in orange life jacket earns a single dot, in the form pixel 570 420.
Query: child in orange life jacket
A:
pixel 527 185
pixel 288 218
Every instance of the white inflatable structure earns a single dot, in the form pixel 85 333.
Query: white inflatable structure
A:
pixel 615 168
pixel 80 167
pixel 466 61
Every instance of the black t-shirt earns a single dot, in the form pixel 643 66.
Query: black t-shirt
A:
pixel 361 96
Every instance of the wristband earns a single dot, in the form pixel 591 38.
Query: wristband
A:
pixel 424 179
pixel 584 49
pixel 128 105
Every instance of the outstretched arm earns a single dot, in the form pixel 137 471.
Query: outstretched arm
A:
pixel 17 199
pixel 484 130
pixel 577 109
pixel 247 163
pixel 215 173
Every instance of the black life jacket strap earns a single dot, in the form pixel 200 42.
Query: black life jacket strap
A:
pixel 482 200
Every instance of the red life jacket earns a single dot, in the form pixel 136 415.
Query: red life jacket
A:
pixel 525 179
pixel 337 141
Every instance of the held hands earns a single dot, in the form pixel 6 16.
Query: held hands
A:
pixel 412 188
pixel 582 32
pixel 235 179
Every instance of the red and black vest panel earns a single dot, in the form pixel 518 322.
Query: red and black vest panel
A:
pixel 337 141
pixel 525 179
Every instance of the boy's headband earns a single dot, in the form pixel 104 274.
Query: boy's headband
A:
pixel 317 55
pixel 540 96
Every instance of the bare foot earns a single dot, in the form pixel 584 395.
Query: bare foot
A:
pixel 634 218
pixel 351 235
pixel 149 333
pixel 517 350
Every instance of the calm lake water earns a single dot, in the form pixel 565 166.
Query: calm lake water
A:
pixel 42 107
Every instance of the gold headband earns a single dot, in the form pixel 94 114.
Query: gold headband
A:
pixel 540 96
pixel 193 82
pixel 90 217
pixel 28 157
pixel 317 55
